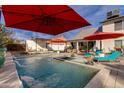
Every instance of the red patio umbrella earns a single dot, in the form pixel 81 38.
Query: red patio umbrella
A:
pixel 103 36
pixel 57 40
pixel 50 19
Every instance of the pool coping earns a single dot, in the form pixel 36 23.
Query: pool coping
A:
pixel 99 80
pixel 9 77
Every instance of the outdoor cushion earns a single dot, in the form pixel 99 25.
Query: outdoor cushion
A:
pixel 110 57
pixel 87 55
pixel 98 52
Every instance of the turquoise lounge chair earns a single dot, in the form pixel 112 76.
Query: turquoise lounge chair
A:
pixel 111 57
pixel 87 55
pixel 97 53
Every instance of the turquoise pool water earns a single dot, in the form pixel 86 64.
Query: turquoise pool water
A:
pixel 49 73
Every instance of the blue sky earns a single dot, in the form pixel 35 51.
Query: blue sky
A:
pixel 92 13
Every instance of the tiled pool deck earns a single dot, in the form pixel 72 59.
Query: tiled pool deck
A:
pixel 116 75
pixel 8 74
pixel 111 75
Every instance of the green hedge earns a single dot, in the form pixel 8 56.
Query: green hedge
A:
pixel 2 56
pixel 2 60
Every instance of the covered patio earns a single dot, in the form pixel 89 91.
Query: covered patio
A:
pixel 79 44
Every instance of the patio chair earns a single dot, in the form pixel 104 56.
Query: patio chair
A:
pixel 89 60
pixel 97 52
pixel 87 55
pixel 111 57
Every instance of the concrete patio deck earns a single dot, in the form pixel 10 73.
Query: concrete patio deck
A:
pixel 8 74
pixel 116 76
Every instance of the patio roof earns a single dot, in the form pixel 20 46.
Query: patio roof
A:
pixel 84 33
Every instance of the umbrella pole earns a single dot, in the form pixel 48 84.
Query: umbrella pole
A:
pixel 100 45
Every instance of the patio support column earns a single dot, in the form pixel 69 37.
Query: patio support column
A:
pixel 87 47
pixel 77 46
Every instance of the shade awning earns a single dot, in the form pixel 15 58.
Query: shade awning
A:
pixel 103 36
pixel 49 19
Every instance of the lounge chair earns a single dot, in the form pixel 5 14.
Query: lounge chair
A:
pixel 97 52
pixel 111 57
pixel 87 55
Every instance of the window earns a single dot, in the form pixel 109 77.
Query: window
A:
pixel 118 25
pixel 118 43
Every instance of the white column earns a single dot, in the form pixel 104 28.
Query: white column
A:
pixel 77 46
pixel 87 47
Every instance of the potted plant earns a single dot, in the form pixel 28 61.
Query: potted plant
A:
pixel 5 39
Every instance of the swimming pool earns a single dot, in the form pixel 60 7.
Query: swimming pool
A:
pixel 49 73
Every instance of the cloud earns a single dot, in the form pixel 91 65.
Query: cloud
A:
pixel 24 34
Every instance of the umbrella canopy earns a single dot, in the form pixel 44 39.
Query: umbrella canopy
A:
pixel 50 19
pixel 103 36
pixel 57 40
pixel 58 43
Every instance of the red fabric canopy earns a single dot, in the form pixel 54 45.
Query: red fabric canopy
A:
pixel 57 41
pixel 50 19
pixel 103 36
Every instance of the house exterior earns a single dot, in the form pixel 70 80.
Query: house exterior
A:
pixel 37 44
pixel 113 23
pixel 78 41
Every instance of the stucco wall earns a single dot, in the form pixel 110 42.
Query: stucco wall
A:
pixel 33 46
pixel 108 45
pixel 57 46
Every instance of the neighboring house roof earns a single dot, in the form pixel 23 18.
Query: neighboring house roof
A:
pixel 60 37
pixel 40 39
pixel 85 32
